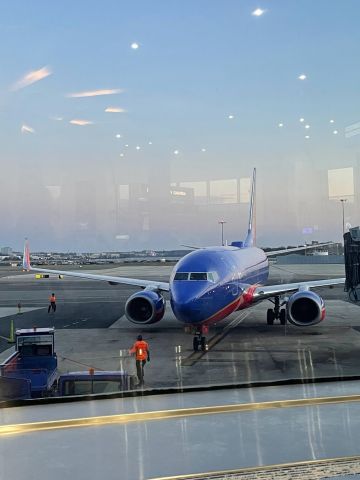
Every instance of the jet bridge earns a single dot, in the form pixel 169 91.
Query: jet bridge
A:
pixel 352 263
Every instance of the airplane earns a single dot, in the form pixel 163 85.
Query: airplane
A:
pixel 210 283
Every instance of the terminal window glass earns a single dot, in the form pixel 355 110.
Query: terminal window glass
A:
pixel 223 191
pixel 341 183
pixel 199 189
pixel 245 188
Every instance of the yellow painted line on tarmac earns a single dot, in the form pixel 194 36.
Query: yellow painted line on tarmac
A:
pixel 196 356
pixel 270 469
pixel 170 414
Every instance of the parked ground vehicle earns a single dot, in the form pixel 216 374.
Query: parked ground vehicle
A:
pixel 86 383
pixel 34 362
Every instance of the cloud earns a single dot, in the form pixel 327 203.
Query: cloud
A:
pixel 95 93
pixel 27 129
pixel 57 119
pixel 80 122
pixel 115 110
pixel 31 78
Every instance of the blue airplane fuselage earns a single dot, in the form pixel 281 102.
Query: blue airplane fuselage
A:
pixel 227 277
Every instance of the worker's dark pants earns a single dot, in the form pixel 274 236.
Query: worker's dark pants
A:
pixel 52 306
pixel 140 364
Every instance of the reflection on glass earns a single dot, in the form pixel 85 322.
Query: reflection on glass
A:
pixel 341 182
pixel 223 191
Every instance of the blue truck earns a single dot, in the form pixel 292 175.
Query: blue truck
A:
pixel 94 382
pixel 34 362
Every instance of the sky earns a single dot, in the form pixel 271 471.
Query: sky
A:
pixel 135 125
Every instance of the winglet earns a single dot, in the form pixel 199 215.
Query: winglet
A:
pixel 26 257
pixel 250 238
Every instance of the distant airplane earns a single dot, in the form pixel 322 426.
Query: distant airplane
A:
pixel 210 283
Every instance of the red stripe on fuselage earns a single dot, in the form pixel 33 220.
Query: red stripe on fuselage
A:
pixel 243 301
pixel 247 297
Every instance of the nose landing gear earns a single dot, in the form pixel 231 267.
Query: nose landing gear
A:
pixel 200 341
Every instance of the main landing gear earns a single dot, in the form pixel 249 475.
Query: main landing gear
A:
pixel 199 340
pixel 276 313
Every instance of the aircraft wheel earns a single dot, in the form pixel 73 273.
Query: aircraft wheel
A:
pixel 283 316
pixel 196 344
pixel 270 316
pixel 204 346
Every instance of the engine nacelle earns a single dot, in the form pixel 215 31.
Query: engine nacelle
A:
pixel 305 308
pixel 145 307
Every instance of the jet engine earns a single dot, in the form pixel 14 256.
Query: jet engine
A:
pixel 145 307
pixel 305 308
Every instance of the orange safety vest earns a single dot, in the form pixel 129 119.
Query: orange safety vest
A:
pixel 140 348
pixel 52 299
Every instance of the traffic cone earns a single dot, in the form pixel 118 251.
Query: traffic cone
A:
pixel 11 339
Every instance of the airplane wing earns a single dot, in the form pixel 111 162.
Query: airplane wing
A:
pixel 274 290
pixel 274 253
pixel 164 286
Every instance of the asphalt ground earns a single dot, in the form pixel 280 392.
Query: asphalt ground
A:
pixel 91 331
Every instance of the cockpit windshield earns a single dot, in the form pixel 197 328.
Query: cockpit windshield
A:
pixel 181 276
pixel 205 276
pixel 198 276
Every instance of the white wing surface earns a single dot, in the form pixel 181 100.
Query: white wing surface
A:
pixel 151 284
pixel 274 290
pixel 274 253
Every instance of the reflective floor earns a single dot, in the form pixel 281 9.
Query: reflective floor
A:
pixel 159 445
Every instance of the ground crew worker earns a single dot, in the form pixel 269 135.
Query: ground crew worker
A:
pixel 142 354
pixel 52 304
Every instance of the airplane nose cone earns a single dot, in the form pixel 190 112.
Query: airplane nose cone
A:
pixel 188 312
pixel 187 303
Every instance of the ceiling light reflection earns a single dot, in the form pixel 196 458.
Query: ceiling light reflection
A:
pixel 258 12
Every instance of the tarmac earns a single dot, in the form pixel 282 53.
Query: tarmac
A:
pixel 92 331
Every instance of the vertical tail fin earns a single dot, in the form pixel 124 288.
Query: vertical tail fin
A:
pixel 26 257
pixel 251 234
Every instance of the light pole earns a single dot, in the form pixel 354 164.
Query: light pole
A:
pixel 343 200
pixel 221 222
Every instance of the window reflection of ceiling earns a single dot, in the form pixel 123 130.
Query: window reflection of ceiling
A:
pixel 341 183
